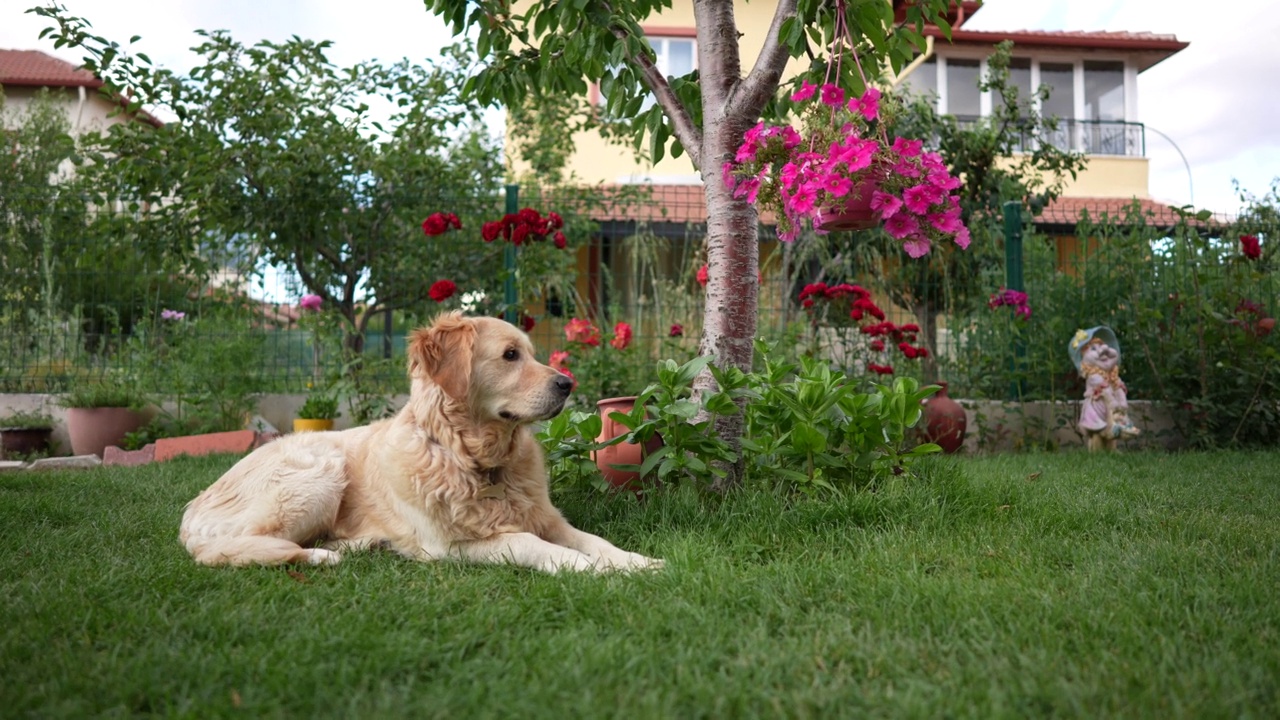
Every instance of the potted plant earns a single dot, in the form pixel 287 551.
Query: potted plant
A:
pixel 840 171
pixel 318 411
pixel 25 433
pixel 101 414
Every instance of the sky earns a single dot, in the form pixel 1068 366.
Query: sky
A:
pixel 1214 101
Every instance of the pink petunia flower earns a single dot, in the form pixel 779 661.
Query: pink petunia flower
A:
pixel 917 247
pixel 832 95
pixel 885 204
pixel 310 302
pixel 906 147
pixel 805 92
pixel 868 105
pixel 900 225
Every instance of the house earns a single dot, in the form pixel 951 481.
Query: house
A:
pixel 1093 76
pixel 23 73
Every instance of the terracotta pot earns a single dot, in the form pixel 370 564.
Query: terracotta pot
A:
pixel 856 213
pixel 624 453
pixel 92 429
pixel 944 421
pixel 312 424
pixel 18 442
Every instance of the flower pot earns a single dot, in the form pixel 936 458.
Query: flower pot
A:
pixel 944 421
pixel 92 429
pixel 312 424
pixel 856 212
pixel 624 453
pixel 20 442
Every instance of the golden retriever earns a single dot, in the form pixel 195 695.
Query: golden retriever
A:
pixel 456 474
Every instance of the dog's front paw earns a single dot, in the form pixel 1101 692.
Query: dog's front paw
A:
pixel 635 562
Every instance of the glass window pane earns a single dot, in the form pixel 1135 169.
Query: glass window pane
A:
pixel 1020 78
pixel 1103 90
pixel 963 98
pixel 923 81
pixel 679 58
pixel 1062 96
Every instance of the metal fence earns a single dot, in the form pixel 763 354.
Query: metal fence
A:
pixel 79 307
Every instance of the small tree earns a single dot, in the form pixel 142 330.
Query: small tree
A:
pixel 277 154
pixel 557 49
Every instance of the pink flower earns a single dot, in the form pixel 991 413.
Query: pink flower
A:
pixel 805 199
pixel 172 315
pixel 805 92
pixel 621 336
pixel 836 185
pixel 918 198
pixel 310 302
pixel 1250 247
pixel 917 247
pixel 677 330
pixel 726 175
pixel 442 290
pixel 868 105
pixel 906 168
pixel 901 225
pixel 559 360
pixel 947 222
pixel 832 95
pixel 906 147
pixel 962 238
pixel 885 204
pixel 703 275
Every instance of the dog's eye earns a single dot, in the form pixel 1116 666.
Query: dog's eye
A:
pixel 511 355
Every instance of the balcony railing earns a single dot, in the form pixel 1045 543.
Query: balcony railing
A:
pixel 1092 137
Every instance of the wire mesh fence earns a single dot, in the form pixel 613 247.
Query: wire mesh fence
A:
pixel 93 298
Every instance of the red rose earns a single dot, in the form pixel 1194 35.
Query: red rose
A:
pixel 677 330
pixel 877 345
pixel 442 290
pixel 491 230
pixel 560 240
pixel 621 336
pixel 1250 247
pixel 435 224
pixel 703 276
pixel 526 323
pixel 555 220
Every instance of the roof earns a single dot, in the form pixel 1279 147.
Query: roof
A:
pixel 1066 211
pixel 33 68
pixel 1146 48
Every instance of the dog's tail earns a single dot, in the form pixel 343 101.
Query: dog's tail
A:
pixel 256 550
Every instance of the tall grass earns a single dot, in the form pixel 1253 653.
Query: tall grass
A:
pixel 1083 585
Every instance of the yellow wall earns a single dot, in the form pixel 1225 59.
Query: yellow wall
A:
pixel 1109 176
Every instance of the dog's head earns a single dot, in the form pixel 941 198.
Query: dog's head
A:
pixel 489 366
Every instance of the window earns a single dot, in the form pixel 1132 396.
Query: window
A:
pixel 963 97
pixel 1103 90
pixel 1020 78
pixel 1061 103
pixel 676 57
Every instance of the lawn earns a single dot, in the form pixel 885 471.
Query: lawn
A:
pixel 1134 585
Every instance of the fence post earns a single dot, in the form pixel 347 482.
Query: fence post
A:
pixel 509 296
pixel 1014 281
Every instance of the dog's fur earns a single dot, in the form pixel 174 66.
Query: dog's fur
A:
pixel 456 474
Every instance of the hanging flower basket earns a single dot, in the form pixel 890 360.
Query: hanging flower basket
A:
pixel 855 213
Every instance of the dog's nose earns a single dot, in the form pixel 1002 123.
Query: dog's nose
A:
pixel 563 384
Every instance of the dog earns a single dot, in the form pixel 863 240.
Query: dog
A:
pixel 456 474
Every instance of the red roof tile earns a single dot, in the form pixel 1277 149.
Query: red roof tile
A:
pixel 33 68
pixel 1068 210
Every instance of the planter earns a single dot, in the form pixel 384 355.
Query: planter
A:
pixel 944 421
pixel 856 213
pixel 624 453
pixel 92 429
pixel 21 442
pixel 312 424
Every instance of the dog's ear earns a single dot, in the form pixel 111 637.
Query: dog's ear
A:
pixel 442 352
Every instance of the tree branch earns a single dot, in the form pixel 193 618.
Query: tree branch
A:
pixel 682 125
pixel 748 98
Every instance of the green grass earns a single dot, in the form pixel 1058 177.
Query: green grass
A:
pixel 1126 585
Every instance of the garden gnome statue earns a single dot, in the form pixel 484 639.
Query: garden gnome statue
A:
pixel 1104 415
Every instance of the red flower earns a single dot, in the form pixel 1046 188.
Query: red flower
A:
pixel 442 290
pixel 526 322
pixel 621 336
pixel 677 330
pixel 579 330
pixel 922 352
pixel 880 369
pixel 703 276
pixel 559 361
pixel 907 350
pixel 566 371
pixel 877 345
pixel 1250 247
pixel 1265 326
pixel 555 221
pixel 560 240
pixel 491 230
pixel 439 223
